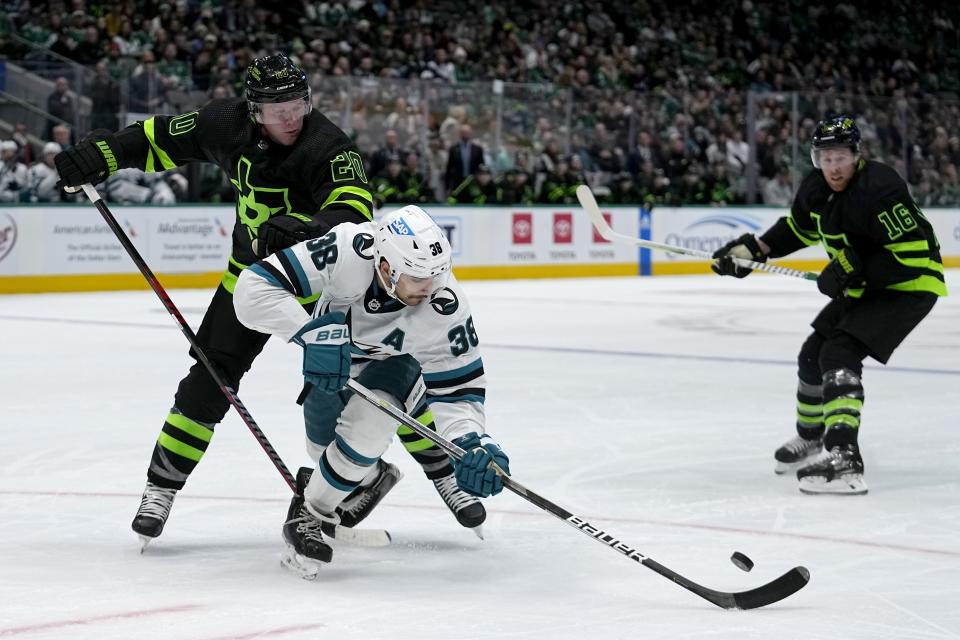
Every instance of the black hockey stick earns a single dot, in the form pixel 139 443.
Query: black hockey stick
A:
pixel 786 585
pixel 366 537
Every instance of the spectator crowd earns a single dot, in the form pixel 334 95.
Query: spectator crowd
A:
pixel 649 101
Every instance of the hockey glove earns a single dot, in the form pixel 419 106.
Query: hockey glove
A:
pixel 93 159
pixel 280 232
pixel 841 272
pixel 474 472
pixel 745 247
pixel 326 351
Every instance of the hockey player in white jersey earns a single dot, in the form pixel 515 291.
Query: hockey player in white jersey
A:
pixel 393 316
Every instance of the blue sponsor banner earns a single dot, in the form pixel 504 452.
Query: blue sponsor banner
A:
pixel 645 225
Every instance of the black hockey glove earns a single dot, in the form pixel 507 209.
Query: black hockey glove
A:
pixel 280 232
pixel 745 247
pixel 93 159
pixel 841 272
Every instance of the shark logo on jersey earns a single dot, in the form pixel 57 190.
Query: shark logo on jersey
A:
pixel 445 302
pixel 400 227
pixel 361 243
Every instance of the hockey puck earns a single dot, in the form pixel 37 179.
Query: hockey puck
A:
pixel 741 561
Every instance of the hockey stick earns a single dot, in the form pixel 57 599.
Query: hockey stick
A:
pixel 787 584
pixel 589 204
pixel 363 537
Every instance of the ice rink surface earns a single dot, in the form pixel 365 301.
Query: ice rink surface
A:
pixel 649 406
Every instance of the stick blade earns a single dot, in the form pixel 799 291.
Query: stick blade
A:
pixel 589 204
pixel 784 586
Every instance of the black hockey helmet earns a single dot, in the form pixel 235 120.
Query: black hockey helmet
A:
pixel 274 79
pixel 839 131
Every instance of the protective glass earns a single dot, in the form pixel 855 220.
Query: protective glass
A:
pixel 281 112
pixel 833 158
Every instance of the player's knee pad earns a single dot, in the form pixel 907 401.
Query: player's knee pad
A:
pixel 364 428
pixel 808 360
pixel 842 351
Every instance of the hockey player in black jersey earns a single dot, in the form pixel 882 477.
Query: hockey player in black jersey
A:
pixel 884 276
pixel 295 175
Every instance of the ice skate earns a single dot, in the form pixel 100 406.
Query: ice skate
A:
pixel 153 513
pixel 467 509
pixel 796 453
pixel 838 471
pixel 306 551
pixel 361 501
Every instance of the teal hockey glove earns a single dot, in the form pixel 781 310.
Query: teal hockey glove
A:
pixel 326 351
pixel 473 472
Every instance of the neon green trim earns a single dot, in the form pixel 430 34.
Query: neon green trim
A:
pixel 844 261
pixel 179 448
pixel 809 420
pixel 843 403
pixel 238 265
pixel 310 299
pixel 805 237
pixel 844 419
pixel 300 217
pixel 229 281
pixel 422 444
pixel 108 157
pixel 923 283
pixel 916 263
pixel 810 408
pixel 359 206
pixel 914 245
pixel 187 425
pixel 356 191
pixel 165 161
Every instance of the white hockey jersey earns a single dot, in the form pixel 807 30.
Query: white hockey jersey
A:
pixel 438 332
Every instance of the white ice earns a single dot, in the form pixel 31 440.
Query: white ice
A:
pixel 649 406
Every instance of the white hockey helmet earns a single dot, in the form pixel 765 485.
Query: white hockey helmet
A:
pixel 413 245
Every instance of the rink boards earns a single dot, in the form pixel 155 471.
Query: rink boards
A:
pixel 70 247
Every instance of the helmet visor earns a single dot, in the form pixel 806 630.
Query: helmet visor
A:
pixel 280 112
pixel 833 157
pixel 429 284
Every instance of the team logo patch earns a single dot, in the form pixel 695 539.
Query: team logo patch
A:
pixel 373 305
pixel 400 227
pixel 361 243
pixel 445 302
pixel 8 235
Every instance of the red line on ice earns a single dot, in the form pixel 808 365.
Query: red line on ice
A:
pixel 12 631
pixel 660 523
pixel 270 632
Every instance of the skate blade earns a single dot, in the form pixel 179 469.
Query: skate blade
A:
pixel 144 541
pixel 788 467
pixel 478 530
pixel 305 567
pixel 358 537
pixel 848 485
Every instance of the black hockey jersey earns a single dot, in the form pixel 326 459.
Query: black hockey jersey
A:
pixel 876 217
pixel 320 176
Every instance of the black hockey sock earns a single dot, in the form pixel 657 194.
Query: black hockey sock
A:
pixel 809 410
pixel 842 404
pixel 181 444
pixel 435 463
